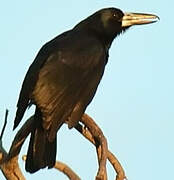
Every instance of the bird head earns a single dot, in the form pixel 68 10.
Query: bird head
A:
pixel 109 22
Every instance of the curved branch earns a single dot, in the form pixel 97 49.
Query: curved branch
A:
pixel 62 167
pixel 66 170
pixel 101 145
pixel 87 134
pixel 10 169
pixel 4 126
pixel 20 138
pixel 9 161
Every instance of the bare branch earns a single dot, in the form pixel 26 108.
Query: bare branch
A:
pixel 66 170
pixel 113 160
pixel 100 140
pixel 4 126
pixel 3 153
pixel 20 137
pixel 10 169
pixel 117 166
pixel 9 162
pixel 62 167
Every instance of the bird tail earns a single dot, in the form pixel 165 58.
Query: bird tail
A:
pixel 41 152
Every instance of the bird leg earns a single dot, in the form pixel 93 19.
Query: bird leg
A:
pixel 120 174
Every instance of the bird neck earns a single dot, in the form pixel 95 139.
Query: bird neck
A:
pixel 104 39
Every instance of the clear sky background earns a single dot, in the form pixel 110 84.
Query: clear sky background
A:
pixel 134 104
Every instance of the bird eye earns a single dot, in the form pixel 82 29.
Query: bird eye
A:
pixel 115 15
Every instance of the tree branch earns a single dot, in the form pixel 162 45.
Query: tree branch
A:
pixel 101 145
pixel 10 169
pixel 9 161
pixel 66 170
pixel 4 126
pixel 87 134
pixel 9 164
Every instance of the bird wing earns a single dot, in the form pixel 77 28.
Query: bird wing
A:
pixel 68 81
pixel 63 79
pixel 29 83
pixel 32 75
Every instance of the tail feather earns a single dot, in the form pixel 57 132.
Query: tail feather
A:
pixel 50 153
pixel 41 152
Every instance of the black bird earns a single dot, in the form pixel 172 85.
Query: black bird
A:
pixel 63 79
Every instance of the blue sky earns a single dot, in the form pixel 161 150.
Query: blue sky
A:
pixel 134 102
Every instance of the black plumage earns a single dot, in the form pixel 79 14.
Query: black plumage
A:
pixel 64 77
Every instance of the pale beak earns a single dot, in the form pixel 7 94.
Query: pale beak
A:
pixel 130 19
